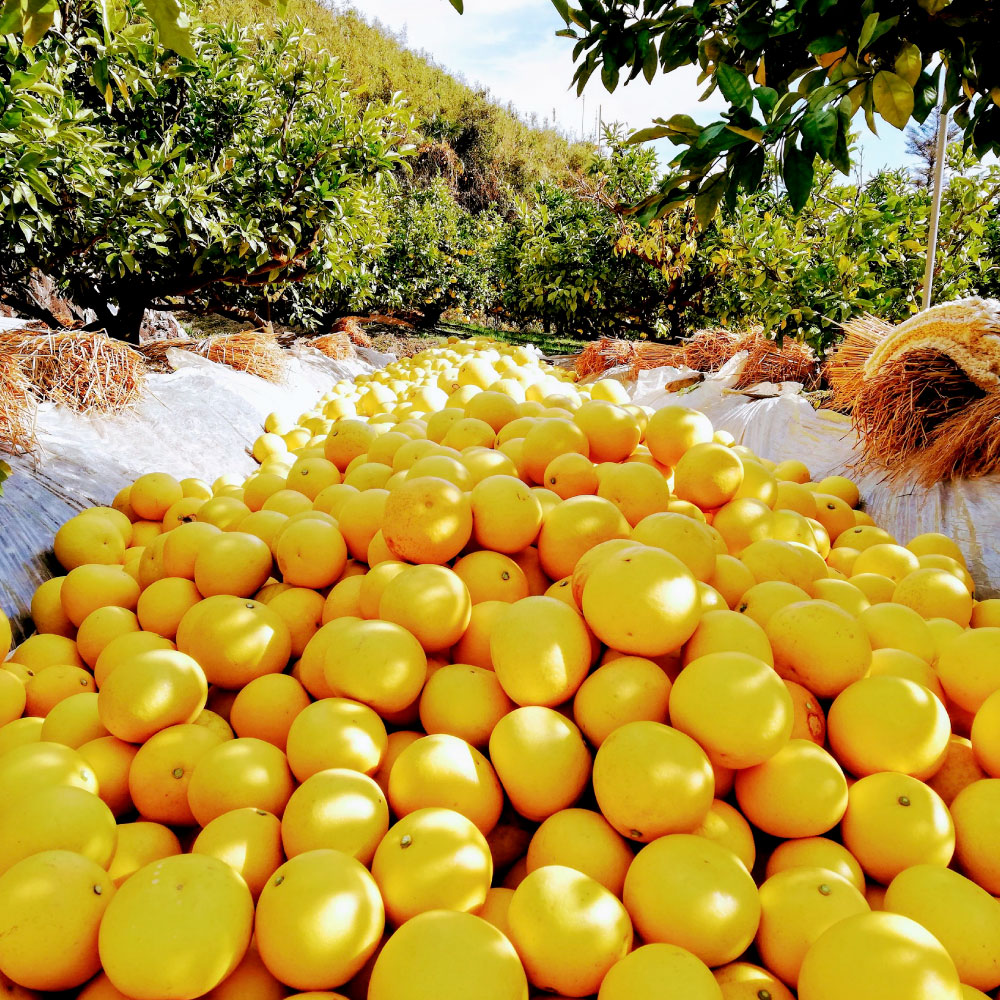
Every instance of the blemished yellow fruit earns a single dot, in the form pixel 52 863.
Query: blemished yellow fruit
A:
pixel 819 645
pixel 234 640
pixel 427 520
pixel 93 586
pixel 885 559
pixel 347 439
pixel 507 516
pixel 795 497
pixel 46 611
pixel 49 687
pixel 237 774
pixel 258 489
pixel 378 663
pixel 961 915
pixel 708 475
pixel 628 689
pixel 164 603
pixel 89 539
pixel 102 626
pixel 541 651
pixel 182 545
pixel 491 576
pixel 816 852
pixel 935 593
pixel 432 859
pixel 642 601
pixel 111 759
pixel 797 906
pixel 335 732
pixel 791 562
pixel 189 905
pixel 140 844
pixel 300 948
pixel 267 706
pixel 248 840
pixel 431 602
pixel 894 821
pixel 744 981
pixel 688 891
pixel 445 772
pixel 651 780
pixel 51 906
pixel 896 626
pixel 541 760
pixel 151 691
pixel 463 700
pixel 584 841
pixel 959 770
pixel 672 430
pixel 735 706
pixel 151 495
pixel 969 667
pixel 46 650
pixel 799 792
pixel 878 956
pixel 975 810
pixel 337 810
pixel 224 512
pixel 888 724
pixel 435 956
pixel 58 818
pixel 300 609
pixel 571 475
pixel 568 930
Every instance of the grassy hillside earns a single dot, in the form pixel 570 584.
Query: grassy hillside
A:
pixel 500 154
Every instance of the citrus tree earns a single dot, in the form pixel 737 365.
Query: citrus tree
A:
pixel 136 177
pixel 794 76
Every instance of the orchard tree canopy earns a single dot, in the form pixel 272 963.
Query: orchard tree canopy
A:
pixel 794 74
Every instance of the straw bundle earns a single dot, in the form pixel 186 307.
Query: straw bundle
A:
pixel 85 371
pixel 845 369
pixel 709 350
pixel 351 325
pixel 604 354
pixel 900 409
pixel 334 345
pixel 793 361
pixel 18 408
pixel 965 446
pixel 255 352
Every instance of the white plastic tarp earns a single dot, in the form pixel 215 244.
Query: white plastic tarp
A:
pixel 198 420
pixel 784 425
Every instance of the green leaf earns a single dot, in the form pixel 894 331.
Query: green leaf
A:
pixel 563 8
pixel 649 63
pixel 893 98
pixel 734 85
pixel 909 63
pixel 172 24
pixel 459 5
pixel 26 78
pixel 36 18
pixel 819 128
pixel 609 73
pixel 766 98
pixel 797 173
pixel 867 31
pixel 826 44
pixel 710 194
pixel 933 6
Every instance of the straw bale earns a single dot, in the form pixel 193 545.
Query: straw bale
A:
pixel 900 409
pixel 601 355
pixel 966 330
pixel 793 361
pixel 18 408
pixel 965 446
pixel 84 371
pixel 334 345
pixel 844 371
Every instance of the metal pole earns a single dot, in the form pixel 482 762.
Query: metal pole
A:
pixel 932 232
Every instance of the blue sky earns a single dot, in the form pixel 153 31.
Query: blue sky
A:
pixel 509 46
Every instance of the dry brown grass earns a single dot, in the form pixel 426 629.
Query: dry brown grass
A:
pixel 793 361
pixel 900 410
pixel 844 371
pixel 403 347
pixel 965 446
pixel 84 371
pixel 334 345
pixel 18 408
pixel 255 352
pixel 603 354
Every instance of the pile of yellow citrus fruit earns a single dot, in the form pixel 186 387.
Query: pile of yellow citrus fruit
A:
pixel 487 685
